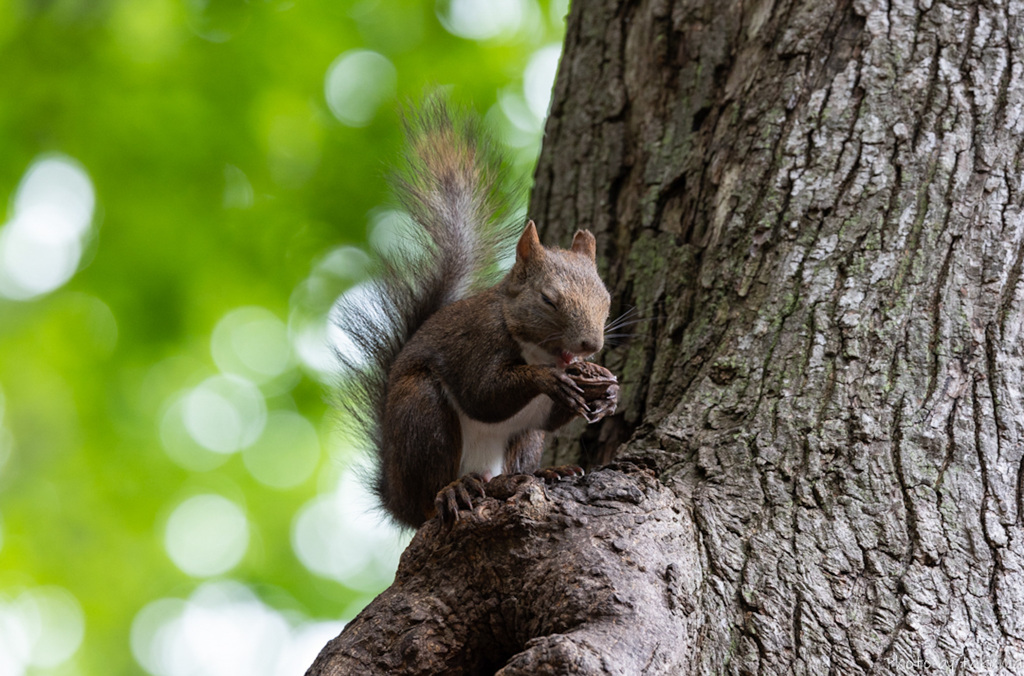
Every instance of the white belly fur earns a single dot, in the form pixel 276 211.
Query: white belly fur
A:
pixel 483 444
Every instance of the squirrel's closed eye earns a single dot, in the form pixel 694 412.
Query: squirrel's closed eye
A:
pixel 547 300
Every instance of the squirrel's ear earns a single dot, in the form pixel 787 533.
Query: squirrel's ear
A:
pixel 529 246
pixel 584 243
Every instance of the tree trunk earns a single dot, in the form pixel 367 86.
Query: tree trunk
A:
pixel 816 208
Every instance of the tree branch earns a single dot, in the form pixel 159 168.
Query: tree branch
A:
pixel 596 575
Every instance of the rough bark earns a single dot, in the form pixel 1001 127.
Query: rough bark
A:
pixel 816 207
pixel 538 580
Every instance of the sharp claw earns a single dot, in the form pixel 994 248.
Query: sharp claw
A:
pixel 464 496
pixel 571 384
pixel 551 474
pixel 441 509
pixel 476 482
pixel 457 497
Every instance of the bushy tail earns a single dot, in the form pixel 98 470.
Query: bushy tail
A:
pixel 461 224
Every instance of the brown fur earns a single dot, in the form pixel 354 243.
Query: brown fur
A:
pixel 468 354
pixel 433 344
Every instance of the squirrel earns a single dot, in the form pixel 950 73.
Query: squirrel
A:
pixel 461 381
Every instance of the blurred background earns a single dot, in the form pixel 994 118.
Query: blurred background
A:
pixel 190 187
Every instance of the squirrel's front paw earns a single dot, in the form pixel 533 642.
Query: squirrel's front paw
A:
pixel 458 496
pixel 566 392
pixel 600 388
pixel 604 405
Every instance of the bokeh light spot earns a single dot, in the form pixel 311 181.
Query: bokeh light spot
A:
pixel 346 262
pixel 62 626
pixel 238 192
pixel 31 265
pixel 286 453
pixel 223 629
pixel 62 188
pixel 391 235
pixel 557 11
pixel 539 79
pixel 307 641
pixel 42 627
pixel 225 413
pixel 356 85
pixel 52 210
pixel 153 635
pixel 312 345
pixel 342 536
pixel 251 342
pixel 179 444
pixel 481 19
pixel 512 117
pixel 16 638
pixel 206 535
pixel 230 631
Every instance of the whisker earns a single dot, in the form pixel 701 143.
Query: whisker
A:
pixel 549 338
pixel 631 322
pixel 613 333
pixel 625 315
pixel 625 319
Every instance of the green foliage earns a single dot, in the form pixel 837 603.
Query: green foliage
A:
pixel 229 170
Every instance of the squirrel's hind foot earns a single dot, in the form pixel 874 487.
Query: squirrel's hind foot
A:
pixel 457 496
pixel 552 474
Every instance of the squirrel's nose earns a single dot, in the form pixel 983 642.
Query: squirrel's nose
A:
pixel 589 346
